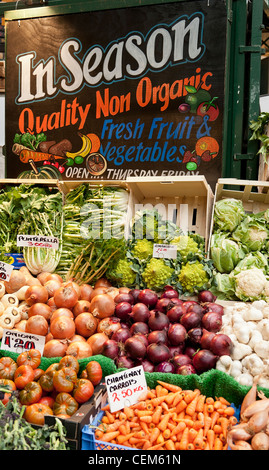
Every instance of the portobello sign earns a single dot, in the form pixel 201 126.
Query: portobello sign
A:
pixel 110 94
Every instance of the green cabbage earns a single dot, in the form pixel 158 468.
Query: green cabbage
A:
pixel 228 214
pixel 225 252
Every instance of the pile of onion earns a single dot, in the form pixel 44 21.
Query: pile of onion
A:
pixel 164 333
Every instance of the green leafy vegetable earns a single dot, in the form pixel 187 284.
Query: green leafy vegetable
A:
pixel 225 252
pixel 228 214
pixel 29 140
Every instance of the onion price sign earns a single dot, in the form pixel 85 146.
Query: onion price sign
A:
pixel 5 271
pixel 18 341
pixel 125 388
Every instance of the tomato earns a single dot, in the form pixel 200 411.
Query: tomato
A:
pixel 65 404
pixel 46 381
pixel 31 393
pixel 83 390
pixel 208 108
pixel 38 372
pixel 64 379
pixel 31 358
pixel 69 361
pixel 9 385
pixel 47 401
pixel 94 372
pixel 36 413
pixel 54 366
pixel 23 375
pixel 7 368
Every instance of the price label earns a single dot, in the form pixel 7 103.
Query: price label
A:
pixel 5 271
pixel 125 388
pixel 164 251
pixel 18 341
pixel 38 241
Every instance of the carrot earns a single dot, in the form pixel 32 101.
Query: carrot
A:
pixel 177 399
pixel 218 445
pixel 169 445
pixel 192 434
pixel 166 434
pixel 157 414
pixel 207 424
pixel 190 396
pixel 214 418
pixel 141 413
pixel 210 438
pixel 161 391
pixel 154 435
pixel 157 401
pixel 229 411
pixel 109 436
pixel 232 420
pixel 209 401
pixel 170 387
pixel 163 423
pixel 190 446
pixel 199 439
pixel 190 409
pixel 129 412
pixel 217 429
pixel 210 408
pixel 224 422
pixel 200 403
pixel 178 428
pixel 170 398
pixel 121 439
pixel 145 419
pixel 181 406
pixel 224 401
pixel 110 416
pixel 98 434
pixel 184 439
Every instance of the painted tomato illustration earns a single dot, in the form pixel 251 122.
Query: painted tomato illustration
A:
pixel 207 148
pixel 208 108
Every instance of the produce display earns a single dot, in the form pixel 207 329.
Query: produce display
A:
pixel 106 292
pixel 239 252
pixel 170 418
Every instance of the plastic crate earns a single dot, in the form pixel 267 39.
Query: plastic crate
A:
pixel 90 443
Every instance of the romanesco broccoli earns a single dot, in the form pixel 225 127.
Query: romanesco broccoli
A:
pixel 185 245
pixel 123 274
pixel 193 276
pixel 143 249
pixel 156 273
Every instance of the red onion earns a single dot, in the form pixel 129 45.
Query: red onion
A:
pixel 204 360
pixel 158 352
pixel 140 312
pixel 190 351
pixel 174 350
pixel 158 320
pixel 181 360
pixel 206 339
pixel 166 367
pixel 212 321
pixel 213 307
pixel 188 303
pixel 177 334
pixel 163 304
pixel 135 293
pixel 121 335
pixel 158 336
pixel 190 320
pixel 124 297
pixel 206 296
pixel 111 349
pixel 175 313
pixel 169 294
pixel 195 335
pixel 146 364
pixel 142 338
pixel 123 310
pixel 135 348
pixel 197 309
pixel 221 345
pixel 186 369
pixel 139 327
pixel 124 362
pixel 148 297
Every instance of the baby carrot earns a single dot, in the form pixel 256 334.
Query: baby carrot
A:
pixel 192 434
pixel 184 439
pixel 145 419
pixel 229 411
pixel 199 439
pixel 210 438
pixel 157 414
pixel 207 424
pixel 214 417
pixel 181 406
pixel 163 423
pixel 190 409
pixel 154 435
pixel 123 438
pixel 109 436
pixel 169 445
pixel 179 427
pixel 191 395
pixel 170 387
pixel 217 429
pixel 218 445
pixel 200 403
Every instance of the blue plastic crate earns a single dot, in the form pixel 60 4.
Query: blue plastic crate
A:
pixel 90 443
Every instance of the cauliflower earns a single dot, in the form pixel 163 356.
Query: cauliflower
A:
pixel 143 249
pixel 156 273
pixel 123 274
pixel 250 284
pixel 193 277
pixel 185 245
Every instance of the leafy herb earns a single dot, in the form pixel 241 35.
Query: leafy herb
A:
pixel 29 140
pixel 259 128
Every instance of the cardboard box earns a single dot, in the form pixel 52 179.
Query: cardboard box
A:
pixel 85 414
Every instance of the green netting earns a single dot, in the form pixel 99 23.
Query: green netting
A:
pixel 213 383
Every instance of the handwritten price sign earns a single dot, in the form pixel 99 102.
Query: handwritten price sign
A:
pixel 18 341
pixel 164 251
pixel 38 241
pixel 5 271
pixel 125 388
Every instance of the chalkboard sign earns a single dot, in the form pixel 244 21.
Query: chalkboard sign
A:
pixel 135 91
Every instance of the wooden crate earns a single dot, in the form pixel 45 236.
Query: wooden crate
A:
pixel 187 201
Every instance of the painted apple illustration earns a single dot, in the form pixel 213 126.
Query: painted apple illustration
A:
pixel 195 97
pixel 208 108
